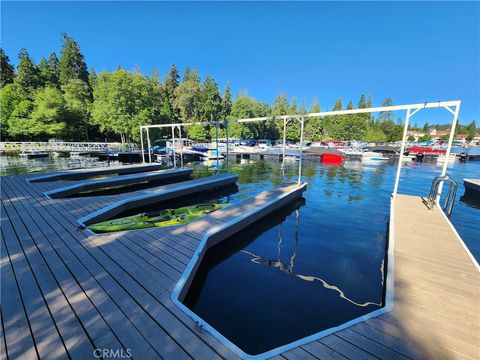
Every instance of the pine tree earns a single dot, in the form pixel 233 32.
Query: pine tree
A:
pixel 49 72
pixel 72 65
pixel 362 103
pixel 350 105
pixel 7 71
pixel 92 77
pixel 28 76
pixel 315 107
pixel 211 100
pixel 338 105
pixel 226 101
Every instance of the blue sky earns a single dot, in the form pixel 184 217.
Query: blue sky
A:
pixel 411 51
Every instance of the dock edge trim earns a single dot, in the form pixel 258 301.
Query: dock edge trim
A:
pixel 389 283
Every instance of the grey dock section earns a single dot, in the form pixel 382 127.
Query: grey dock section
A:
pixel 86 173
pixel 118 181
pixel 162 193
pixel 66 293
pixel 472 185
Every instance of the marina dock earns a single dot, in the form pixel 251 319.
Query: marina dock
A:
pixel 66 292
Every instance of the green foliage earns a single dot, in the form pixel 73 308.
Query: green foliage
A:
pixel 28 76
pixel 211 100
pixel 49 113
pixel 226 101
pixel 7 71
pixel 197 132
pixel 188 96
pixel 72 64
pixel 78 104
pixel 374 135
pixel 122 102
pixel 10 97
pixel 49 71
pixel 411 138
pixel 425 137
pixel 20 124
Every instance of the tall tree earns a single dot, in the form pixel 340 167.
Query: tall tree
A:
pixel 72 64
pixel 314 126
pixel 211 100
pixel 28 76
pixel 362 103
pixel 78 104
pixel 226 101
pixel 10 97
pixel 49 71
pixel 188 96
pixel 338 105
pixel 386 115
pixel 49 114
pixel 350 105
pixel 92 77
pixel 7 71
pixel 123 102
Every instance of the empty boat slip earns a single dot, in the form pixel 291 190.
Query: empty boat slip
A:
pixel 162 193
pixel 122 180
pixel 88 173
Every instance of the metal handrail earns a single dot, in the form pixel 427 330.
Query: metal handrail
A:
pixel 434 194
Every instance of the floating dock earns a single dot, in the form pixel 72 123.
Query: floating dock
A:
pixel 138 178
pixel 472 186
pixel 66 292
pixel 88 173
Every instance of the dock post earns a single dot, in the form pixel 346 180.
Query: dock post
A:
pixel 225 123
pixel 181 145
pixel 283 147
pixel 149 147
pixel 141 144
pixel 402 150
pixel 302 120
pixel 173 149
pixel 216 140
pixel 449 147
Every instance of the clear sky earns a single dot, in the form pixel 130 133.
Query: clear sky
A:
pixel 410 51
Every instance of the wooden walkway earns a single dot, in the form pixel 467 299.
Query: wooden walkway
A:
pixel 65 293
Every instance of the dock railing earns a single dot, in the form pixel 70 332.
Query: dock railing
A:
pixel 433 198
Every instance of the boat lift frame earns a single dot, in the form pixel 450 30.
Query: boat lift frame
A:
pixel 451 106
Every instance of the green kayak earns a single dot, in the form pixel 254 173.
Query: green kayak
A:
pixel 162 218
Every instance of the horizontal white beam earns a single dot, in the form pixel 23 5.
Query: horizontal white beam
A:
pixel 425 105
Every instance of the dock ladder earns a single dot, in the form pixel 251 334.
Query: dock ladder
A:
pixel 451 194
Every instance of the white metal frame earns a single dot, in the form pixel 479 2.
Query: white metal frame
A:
pixel 451 106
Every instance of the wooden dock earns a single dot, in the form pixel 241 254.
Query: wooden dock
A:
pixel 66 293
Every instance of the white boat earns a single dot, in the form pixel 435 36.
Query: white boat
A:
pixel 442 158
pixel 373 156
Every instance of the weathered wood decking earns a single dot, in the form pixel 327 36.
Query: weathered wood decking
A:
pixel 65 293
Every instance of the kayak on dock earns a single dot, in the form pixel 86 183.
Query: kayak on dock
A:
pixel 162 218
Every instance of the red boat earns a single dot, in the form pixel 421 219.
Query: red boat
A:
pixel 332 159
pixel 425 150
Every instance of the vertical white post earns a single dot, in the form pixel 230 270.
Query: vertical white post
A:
pixel 301 151
pixel 283 147
pixel 173 148
pixel 216 140
pixel 449 148
pixel 225 123
pixel 181 145
pixel 402 150
pixel 149 148
pixel 141 144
